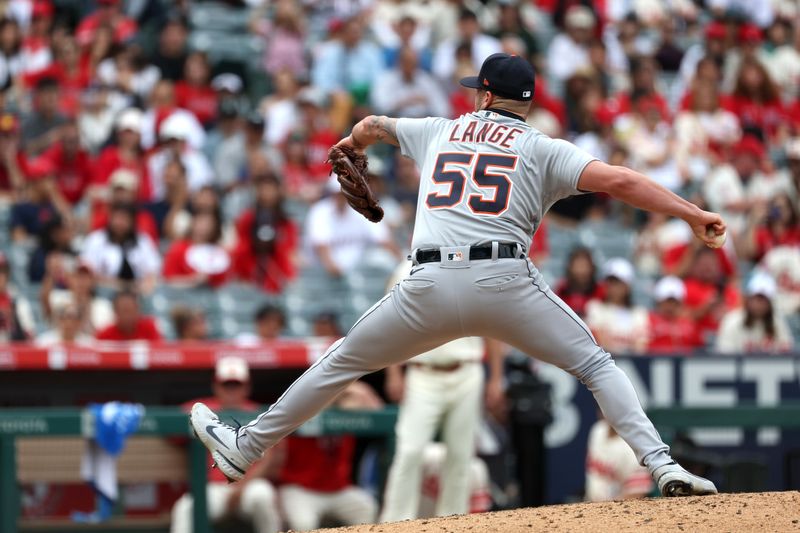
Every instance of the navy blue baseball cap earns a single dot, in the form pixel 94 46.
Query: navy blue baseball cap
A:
pixel 509 76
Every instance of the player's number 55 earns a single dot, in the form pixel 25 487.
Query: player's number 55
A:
pixel 494 186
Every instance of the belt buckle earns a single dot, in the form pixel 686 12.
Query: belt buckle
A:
pixel 454 256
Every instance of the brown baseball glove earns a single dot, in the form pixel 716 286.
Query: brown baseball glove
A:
pixel 350 168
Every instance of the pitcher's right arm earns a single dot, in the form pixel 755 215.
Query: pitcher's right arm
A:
pixel 639 191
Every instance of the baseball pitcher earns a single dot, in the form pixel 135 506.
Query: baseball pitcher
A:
pixel 488 179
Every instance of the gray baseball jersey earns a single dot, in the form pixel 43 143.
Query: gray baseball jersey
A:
pixel 485 176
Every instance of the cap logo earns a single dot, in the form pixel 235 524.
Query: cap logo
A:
pixel 526 94
pixel 486 82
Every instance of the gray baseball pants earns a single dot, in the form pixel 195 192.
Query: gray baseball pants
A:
pixel 505 299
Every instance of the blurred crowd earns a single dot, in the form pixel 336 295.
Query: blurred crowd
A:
pixel 154 143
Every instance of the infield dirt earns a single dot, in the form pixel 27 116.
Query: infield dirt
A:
pixel 734 513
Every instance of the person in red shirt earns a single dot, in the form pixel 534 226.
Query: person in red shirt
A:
pixel 126 152
pixel 12 157
pixel 198 259
pixel 643 75
pixel 774 224
pixel 130 324
pixel 194 93
pixel 70 69
pixel 580 283
pixel 671 329
pixel 72 164
pixel 123 188
pixel 756 99
pixel 109 14
pixel 709 292
pixel 267 240
pixel 316 478
pixel 254 498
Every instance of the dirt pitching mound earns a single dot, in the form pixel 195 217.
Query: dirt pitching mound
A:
pixel 735 513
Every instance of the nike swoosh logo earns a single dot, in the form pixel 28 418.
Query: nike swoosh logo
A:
pixel 415 270
pixel 231 464
pixel 210 430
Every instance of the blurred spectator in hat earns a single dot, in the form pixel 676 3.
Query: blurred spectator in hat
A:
pixel 284 37
pixel 748 47
pixel 40 202
pixel 710 291
pixel 756 327
pixel 783 264
pixel 189 324
pixel 671 327
pixel 129 323
pixel 228 125
pixel 267 240
pixel 161 107
pixel 733 188
pixel 42 127
pixel 35 50
pixel 715 48
pixel 128 72
pixel 280 108
pixel 756 100
pixel 174 135
pixel 405 32
pixel 54 245
pixel 123 188
pixel 170 54
pixel 347 62
pixel 229 88
pixel 194 93
pixel 579 284
pixel 96 119
pixel 480 46
pixel 617 324
pixel 659 235
pixel 408 91
pixel 16 316
pixel 703 133
pixel 771 224
pixel 569 50
pixel 109 13
pixel 198 259
pixel 72 164
pixel 67 328
pixel 337 237
pixel 70 70
pixel 254 498
pixel 120 255
pixel 12 158
pixel 125 152
pixel 315 127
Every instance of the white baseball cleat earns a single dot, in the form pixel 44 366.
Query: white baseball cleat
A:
pixel 220 439
pixel 673 480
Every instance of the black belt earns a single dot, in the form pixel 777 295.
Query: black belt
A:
pixel 504 251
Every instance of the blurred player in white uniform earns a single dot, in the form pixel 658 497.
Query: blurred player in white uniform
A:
pixel 441 391
pixel 612 471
